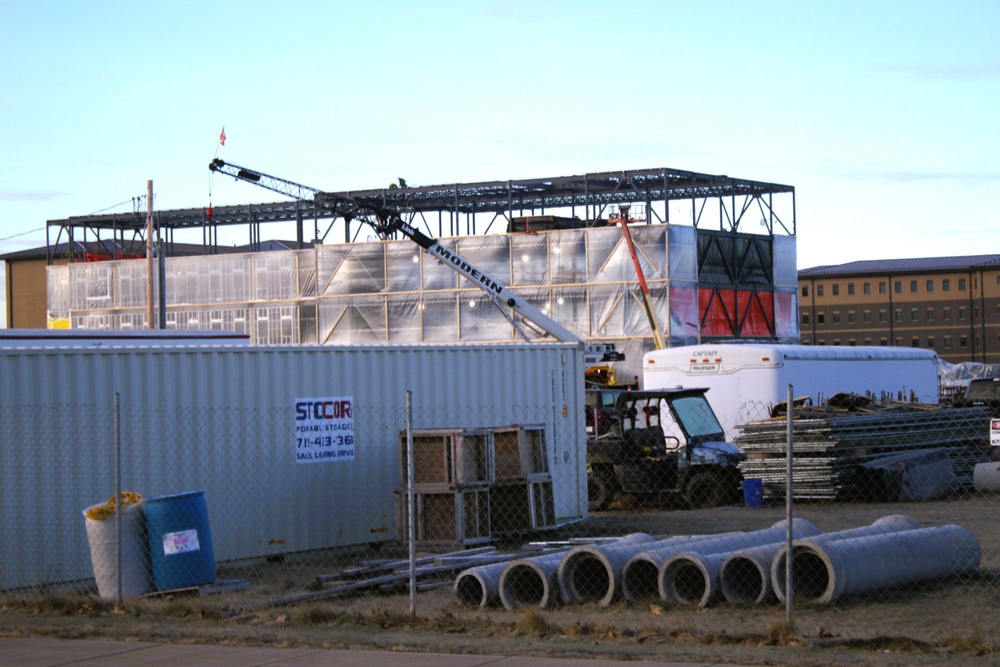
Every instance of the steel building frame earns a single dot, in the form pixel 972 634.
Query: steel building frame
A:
pixel 466 208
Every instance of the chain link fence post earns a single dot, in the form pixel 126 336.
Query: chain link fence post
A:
pixel 118 500
pixel 410 509
pixel 789 511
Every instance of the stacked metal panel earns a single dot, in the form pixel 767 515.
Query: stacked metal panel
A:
pixel 830 452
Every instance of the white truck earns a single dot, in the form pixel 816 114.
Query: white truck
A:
pixel 747 380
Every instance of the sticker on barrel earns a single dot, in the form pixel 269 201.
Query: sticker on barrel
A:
pixel 181 542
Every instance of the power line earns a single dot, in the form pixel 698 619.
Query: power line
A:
pixel 7 238
pixel 127 201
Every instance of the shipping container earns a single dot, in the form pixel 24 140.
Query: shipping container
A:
pixel 117 337
pixel 295 448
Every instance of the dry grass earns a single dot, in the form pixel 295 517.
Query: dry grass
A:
pixel 947 622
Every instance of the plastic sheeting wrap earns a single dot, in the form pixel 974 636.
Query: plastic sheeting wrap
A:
pixel 390 291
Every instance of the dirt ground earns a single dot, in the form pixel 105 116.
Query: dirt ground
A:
pixel 951 622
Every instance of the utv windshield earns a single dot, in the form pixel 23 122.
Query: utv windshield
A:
pixel 697 418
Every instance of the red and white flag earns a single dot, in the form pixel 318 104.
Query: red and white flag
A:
pixel 222 136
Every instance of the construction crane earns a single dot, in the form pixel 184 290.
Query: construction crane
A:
pixel 387 221
pixel 647 302
pixel 345 207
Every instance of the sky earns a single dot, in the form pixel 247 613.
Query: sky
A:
pixel 882 115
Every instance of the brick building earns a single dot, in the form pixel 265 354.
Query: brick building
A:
pixel 948 304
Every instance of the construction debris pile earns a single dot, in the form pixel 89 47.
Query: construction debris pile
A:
pixel 741 567
pixel 855 449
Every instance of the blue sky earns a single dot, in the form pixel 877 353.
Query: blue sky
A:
pixel 883 115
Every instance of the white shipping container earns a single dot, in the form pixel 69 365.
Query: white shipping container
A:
pixel 745 381
pixel 223 420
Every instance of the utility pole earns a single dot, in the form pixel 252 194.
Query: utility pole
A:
pixel 150 321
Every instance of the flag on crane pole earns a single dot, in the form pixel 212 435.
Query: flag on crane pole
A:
pixel 222 136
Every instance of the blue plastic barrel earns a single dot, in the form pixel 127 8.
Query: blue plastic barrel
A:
pixel 753 492
pixel 180 541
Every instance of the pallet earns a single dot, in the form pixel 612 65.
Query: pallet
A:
pixel 214 588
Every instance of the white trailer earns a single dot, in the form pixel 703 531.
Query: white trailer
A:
pixel 746 380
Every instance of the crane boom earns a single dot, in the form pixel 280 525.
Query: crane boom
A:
pixel 389 221
pixel 647 302
pixel 341 205
pixel 485 281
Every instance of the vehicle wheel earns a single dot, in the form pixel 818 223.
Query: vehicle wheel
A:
pixel 703 490
pixel 599 493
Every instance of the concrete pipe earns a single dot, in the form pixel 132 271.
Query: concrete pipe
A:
pixel 746 574
pixel 531 582
pixel 692 577
pixel 825 570
pixel 590 573
pixel 641 575
pixel 480 585
pixel 986 477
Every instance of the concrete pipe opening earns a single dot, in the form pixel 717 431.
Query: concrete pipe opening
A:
pixel 640 580
pixel 470 589
pixel 744 580
pixel 683 581
pixel 811 573
pixel 523 585
pixel 587 577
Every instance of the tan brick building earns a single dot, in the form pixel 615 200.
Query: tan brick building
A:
pixel 948 304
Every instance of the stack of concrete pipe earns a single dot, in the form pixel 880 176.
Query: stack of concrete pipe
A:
pixel 742 567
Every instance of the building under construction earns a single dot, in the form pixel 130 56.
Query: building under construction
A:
pixel 717 254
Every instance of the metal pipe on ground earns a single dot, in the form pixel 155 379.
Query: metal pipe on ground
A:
pixel 745 576
pixel 641 574
pixel 692 577
pixel 825 570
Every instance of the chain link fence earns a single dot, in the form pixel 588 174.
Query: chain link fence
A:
pixel 890 513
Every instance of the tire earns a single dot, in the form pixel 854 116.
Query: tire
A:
pixel 704 490
pixel 599 493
